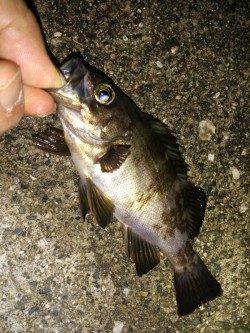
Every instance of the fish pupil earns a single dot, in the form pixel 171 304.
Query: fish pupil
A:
pixel 104 95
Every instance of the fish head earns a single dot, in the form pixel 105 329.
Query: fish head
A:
pixel 91 105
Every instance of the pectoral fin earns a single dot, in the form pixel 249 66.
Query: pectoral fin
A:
pixel 114 157
pixel 100 205
pixel 144 255
pixel 52 140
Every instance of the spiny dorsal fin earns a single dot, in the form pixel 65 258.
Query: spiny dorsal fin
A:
pixel 114 157
pixel 83 198
pixel 193 207
pixel 52 140
pixel 164 136
pixel 144 255
pixel 100 206
pixel 191 198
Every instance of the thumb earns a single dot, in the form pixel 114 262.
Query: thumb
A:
pixel 21 42
pixel 11 95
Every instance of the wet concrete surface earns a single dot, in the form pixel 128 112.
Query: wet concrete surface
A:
pixel 184 62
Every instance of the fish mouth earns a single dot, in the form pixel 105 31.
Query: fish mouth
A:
pixel 74 68
pixel 74 92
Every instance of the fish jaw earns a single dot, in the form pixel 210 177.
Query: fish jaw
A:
pixel 75 128
pixel 73 103
pixel 75 91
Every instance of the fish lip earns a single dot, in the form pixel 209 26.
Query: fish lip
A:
pixel 74 72
pixel 62 100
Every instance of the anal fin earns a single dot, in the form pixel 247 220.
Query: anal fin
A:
pixel 83 198
pixel 144 255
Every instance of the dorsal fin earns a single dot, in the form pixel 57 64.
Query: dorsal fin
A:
pixel 144 255
pixel 191 199
pixel 165 137
pixel 193 207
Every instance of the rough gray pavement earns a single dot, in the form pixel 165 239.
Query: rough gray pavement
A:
pixel 184 62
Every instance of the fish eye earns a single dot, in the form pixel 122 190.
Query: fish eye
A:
pixel 104 94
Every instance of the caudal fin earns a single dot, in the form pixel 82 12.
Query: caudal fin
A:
pixel 194 287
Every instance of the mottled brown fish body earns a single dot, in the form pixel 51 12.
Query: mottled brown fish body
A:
pixel 131 168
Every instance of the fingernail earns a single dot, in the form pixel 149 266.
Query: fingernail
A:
pixel 11 93
pixel 60 80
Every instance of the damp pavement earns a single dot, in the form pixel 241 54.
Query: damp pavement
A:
pixel 185 63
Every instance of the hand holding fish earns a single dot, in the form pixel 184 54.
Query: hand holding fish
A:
pixel 25 68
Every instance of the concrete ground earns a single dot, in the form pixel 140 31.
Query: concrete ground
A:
pixel 184 62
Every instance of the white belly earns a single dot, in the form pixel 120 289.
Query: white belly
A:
pixel 124 187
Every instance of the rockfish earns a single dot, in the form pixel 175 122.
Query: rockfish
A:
pixel 130 167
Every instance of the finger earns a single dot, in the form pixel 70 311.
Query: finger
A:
pixel 21 42
pixel 38 102
pixel 11 95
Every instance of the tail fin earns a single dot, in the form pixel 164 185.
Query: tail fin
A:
pixel 194 287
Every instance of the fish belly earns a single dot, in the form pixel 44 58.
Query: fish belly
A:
pixel 137 206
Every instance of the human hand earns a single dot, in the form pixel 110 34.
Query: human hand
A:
pixel 25 67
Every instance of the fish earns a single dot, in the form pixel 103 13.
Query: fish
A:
pixel 131 169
